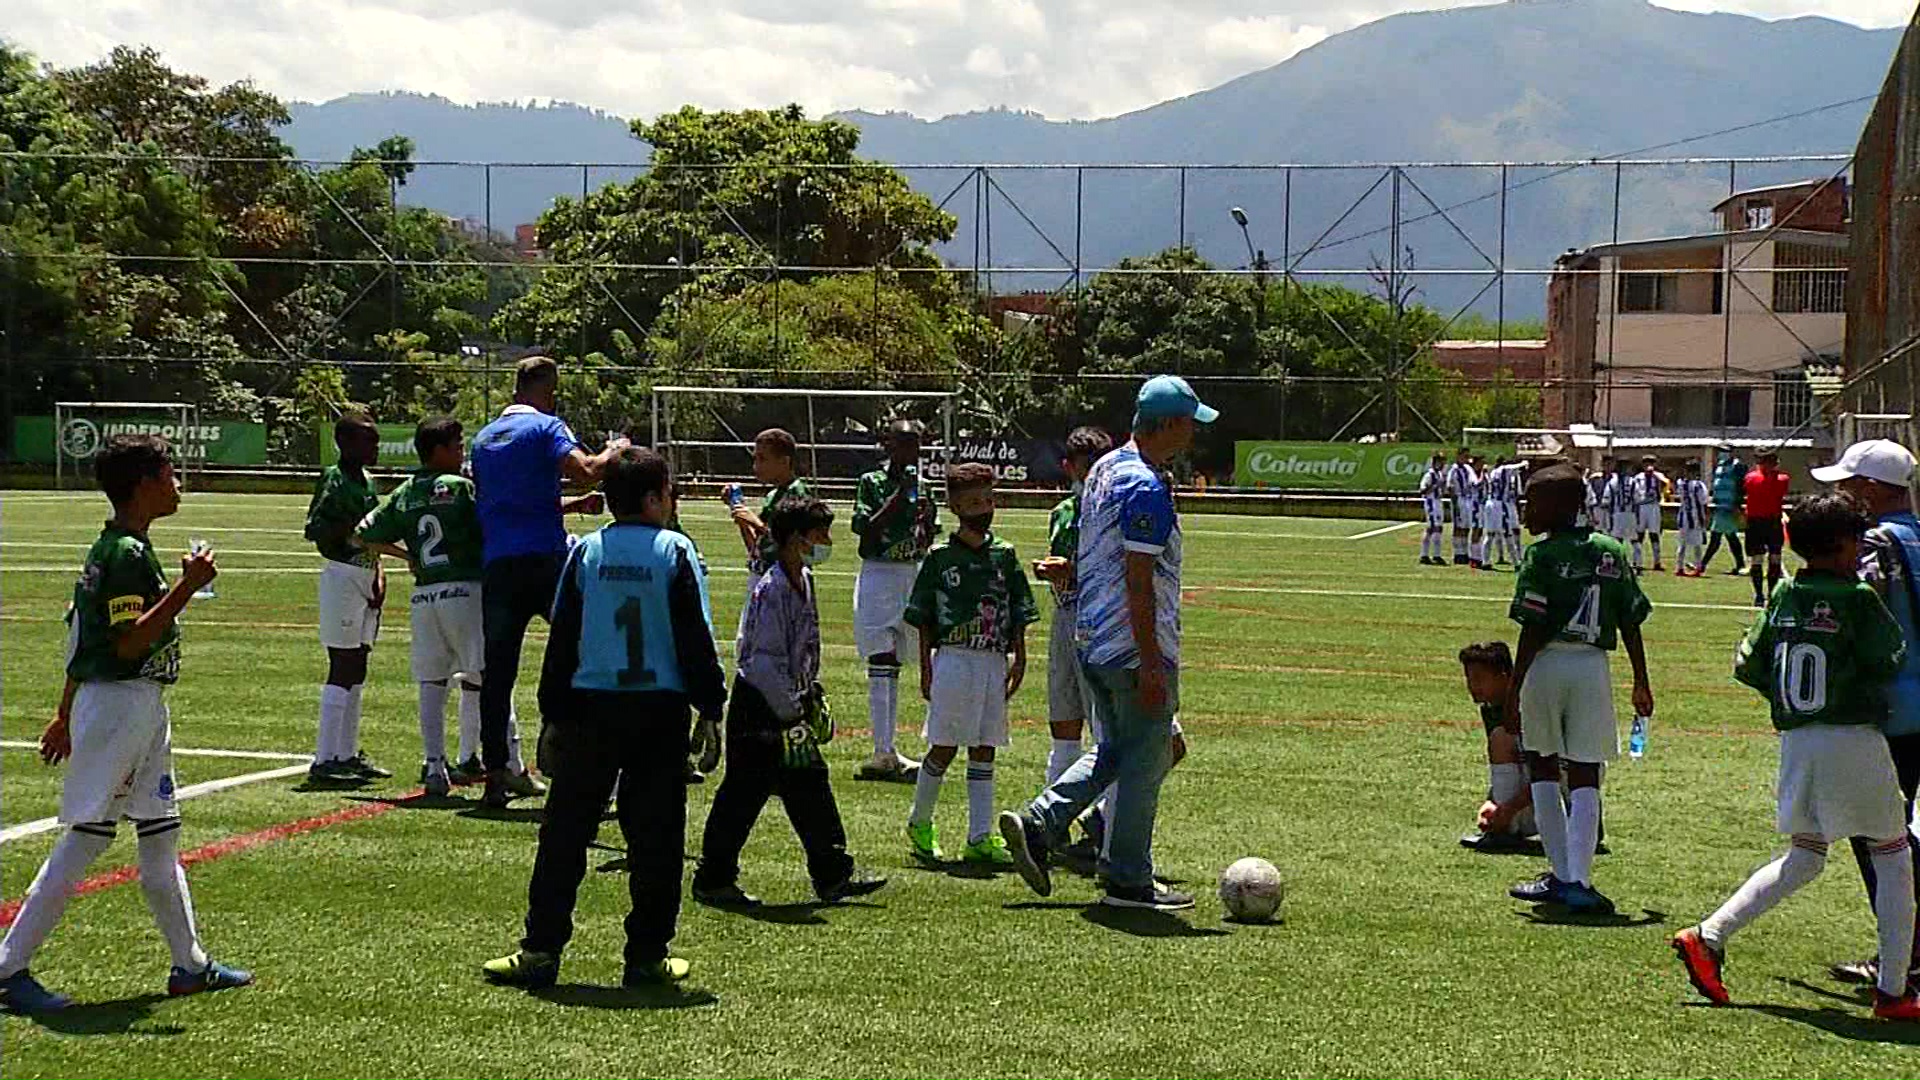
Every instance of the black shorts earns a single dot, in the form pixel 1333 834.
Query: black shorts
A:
pixel 1765 537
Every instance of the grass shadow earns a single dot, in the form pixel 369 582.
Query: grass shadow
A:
pixel 1047 905
pixel 1147 923
pixel 416 802
pixel 1556 915
pixel 584 996
pixel 330 786
pixel 116 1017
pixel 1855 1022
pixel 524 815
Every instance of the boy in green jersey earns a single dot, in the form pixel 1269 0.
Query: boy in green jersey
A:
pixel 433 523
pixel 972 605
pixel 123 650
pixel 894 520
pixel 1575 597
pixel 773 465
pixel 352 590
pixel 1823 654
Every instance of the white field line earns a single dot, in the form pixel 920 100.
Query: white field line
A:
pixel 246 755
pixel 191 791
pixel 1382 531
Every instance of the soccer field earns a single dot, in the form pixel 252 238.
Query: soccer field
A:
pixel 1329 732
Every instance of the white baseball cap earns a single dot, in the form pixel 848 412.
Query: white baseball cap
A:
pixel 1876 459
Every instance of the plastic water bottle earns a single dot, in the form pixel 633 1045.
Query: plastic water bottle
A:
pixel 198 546
pixel 1637 738
pixel 734 495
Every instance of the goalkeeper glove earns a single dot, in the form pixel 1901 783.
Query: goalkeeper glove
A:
pixel 706 745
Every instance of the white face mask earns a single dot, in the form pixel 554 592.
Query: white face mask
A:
pixel 817 555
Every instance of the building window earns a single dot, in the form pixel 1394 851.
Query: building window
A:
pixel 1642 292
pixel 1702 407
pixel 1759 214
pixel 1821 288
pixel 1792 398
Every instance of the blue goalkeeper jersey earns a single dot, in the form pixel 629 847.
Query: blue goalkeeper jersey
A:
pixel 623 574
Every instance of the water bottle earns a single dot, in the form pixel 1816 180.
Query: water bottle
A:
pixel 734 495
pixel 1637 738
pixel 198 546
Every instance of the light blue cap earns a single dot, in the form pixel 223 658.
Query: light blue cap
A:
pixel 1168 397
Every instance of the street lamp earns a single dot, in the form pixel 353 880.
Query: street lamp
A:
pixel 1257 261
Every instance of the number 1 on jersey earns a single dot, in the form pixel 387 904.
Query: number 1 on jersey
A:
pixel 630 619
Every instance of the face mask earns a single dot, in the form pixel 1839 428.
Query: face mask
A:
pixel 1079 488
pixel 817 554
pixel 978 522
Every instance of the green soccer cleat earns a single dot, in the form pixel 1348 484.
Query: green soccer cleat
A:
pixel 524 785
pixel 469 771
pixel 531 970
pixel 989 850
pixel 664 973
pixel 924 839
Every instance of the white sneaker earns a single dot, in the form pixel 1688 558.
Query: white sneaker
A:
pixel 437 782
pixel 890 767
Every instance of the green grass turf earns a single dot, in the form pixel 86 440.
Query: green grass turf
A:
pixel 1329 732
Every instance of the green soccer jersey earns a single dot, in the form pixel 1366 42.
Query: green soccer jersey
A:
pixel 1823 652
pixel 972 598
pixel 1063 540
pixel 766 552
pixel 1580 585
pixel 121 580
pixel 906 533
pixel 338 500
pixel 434 516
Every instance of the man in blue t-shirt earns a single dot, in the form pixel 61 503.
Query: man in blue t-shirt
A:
pixel 1128 630
pixel 519 461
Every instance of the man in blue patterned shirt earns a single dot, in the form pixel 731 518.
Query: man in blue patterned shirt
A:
pixel 1128 630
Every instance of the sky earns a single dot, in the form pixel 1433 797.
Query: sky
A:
pixel 1063 58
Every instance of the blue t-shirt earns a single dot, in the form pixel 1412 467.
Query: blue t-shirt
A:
pixel 624 574
pixel 1126 506
pixel 516 475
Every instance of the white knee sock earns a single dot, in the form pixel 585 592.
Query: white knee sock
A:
pixel 979 800
pixel 926 793
pixel 515 763
pixel 1893 906
pixel 469 720
pixel 1550 817
pixel 1505 781
pixel 1477 550
pixel 1061 758
pixel 350 726
pixel 333 719
pixel 1638 558
pixel 164 882
pixel 1459 544
pixel 1771 884
pixel 433 721
pixel 1583 832
pixel 883 703
pixel 47 896
pixel 1655 542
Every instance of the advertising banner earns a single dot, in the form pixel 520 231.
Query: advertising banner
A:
pixel 1014 461
pixel 396 446
pixel 209 442
pixel 1340 466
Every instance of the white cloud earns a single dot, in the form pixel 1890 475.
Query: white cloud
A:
pixel 1065 58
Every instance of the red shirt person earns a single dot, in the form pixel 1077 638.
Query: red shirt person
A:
pixel 1766 489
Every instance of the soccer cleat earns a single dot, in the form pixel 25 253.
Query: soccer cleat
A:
pixel 857 883
pixel 181 982
pixel 989 850
pixel 1858 972
pixel 891 768
pixel 1586 900
pixel 469 771
pixel 524 784
pixel 1498 843
pixel 497 795
pixel 924 840
pixel 436 782
pixel 1545 889
pixel 22 995
pixel 360 767
pixel 1459 560
pixel 724 896
pixel 1703 962
pixel 1155 897
pixel 664 973
pixel 1027 842
pixel 332 772
pixel 532 970
pixel 1888 1007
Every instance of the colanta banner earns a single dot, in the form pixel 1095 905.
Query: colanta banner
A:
pixel 1341 466
pixel 396 445
pixel 209 442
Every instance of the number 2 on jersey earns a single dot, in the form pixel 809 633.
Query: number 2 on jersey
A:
pixel 431 538
pixel 1585 624
pixel 630 619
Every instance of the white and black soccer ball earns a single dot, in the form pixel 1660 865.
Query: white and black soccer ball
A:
pixel 1251 890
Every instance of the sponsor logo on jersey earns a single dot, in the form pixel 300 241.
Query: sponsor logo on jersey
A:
pixel 442 493
pixel 1823 619
pixel 1609 566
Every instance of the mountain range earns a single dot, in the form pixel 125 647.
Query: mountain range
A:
pixel 1526 81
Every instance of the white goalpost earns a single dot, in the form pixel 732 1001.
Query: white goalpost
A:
pixel 80 428
pixel 809 442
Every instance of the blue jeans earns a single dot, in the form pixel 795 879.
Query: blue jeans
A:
pixel 1133 755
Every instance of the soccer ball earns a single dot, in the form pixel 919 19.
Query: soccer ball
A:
pixel 1251 890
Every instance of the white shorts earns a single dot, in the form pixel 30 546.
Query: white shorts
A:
pixel 1566 705
pixel 1625 524
pixel 880 608
pixel 447 634
pixel 1838 781
pixel 348 619
pixel 1433 512
pixel 1466 514
pixel 1692 537
pixel 1647 518
pixel 122 764
pixel 1497 517
pixel 969 706
pixel 1066 698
